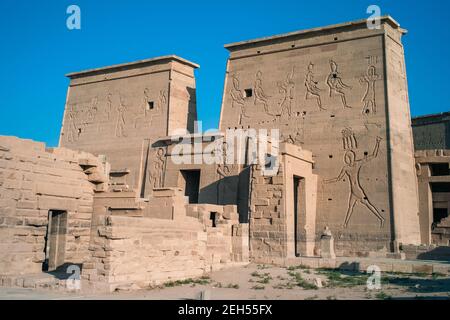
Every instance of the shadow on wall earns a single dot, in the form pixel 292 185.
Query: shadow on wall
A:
pixel 67 270
pixel 439 253
pixel 231 190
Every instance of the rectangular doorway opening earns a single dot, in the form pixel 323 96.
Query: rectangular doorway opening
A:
pixel 55 240
pixel 299 211
pixel 191 184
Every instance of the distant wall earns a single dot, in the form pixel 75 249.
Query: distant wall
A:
pixel 432 131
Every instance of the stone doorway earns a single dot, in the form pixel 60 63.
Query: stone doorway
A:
pixel 191 184
pixel 55 241
pixel 299 210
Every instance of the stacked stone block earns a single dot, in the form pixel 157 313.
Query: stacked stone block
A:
pixel 34 180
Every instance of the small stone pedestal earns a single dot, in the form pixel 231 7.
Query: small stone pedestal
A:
pixel 327 245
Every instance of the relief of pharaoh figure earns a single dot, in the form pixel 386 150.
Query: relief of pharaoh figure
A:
pixel 369 79
pixel 72 127
pixel 312 90
pixel 223 171
pixel 260 96
pixel 351 170
pixel 287 89
pixel 120 123
pixel 336 85
pixel 238 99
pixel 156 173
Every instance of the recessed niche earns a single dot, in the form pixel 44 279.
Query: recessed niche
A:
pixel 330 156
pixel 248 93
pixel 151 105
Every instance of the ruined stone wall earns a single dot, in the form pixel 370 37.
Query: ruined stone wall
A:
pixel 135 252
pixel 268 219
pixel 34 180
pixel 326 91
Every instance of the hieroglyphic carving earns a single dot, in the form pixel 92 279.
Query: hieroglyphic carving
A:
pixel 367 124
pixel 238 99
pixel 348 139
pixel 286 88
pixel 312 90
pixel 120 122
pixel 260 96
pixel 156 174
pixel 351 170
pixel 372 60
pixel 369 79
pixel 336 85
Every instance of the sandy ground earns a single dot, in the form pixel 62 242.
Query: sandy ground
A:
pixel 268 282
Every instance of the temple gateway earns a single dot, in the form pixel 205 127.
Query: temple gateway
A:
pixel 346 171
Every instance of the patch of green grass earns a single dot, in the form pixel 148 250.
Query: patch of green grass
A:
pixel 382 296
pixel 300 282
pixel 337 279
pixel 331 298
pixel 262 277
pixel 258 287
pixel 262 267
pixel 312 298
pixel 202 281
pixel 232 286
pixel 288 285
pixel 300 266
pixel 436 275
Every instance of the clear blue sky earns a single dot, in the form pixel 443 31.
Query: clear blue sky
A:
pixel 37 48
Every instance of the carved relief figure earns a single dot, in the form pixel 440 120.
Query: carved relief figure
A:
pixel 120 123
pixel 336 85
pixel 348 139
pixel 72 128
pixel 109 105
pixel 223 171
pixel 238 99
pixel 351 170
pixel 260 96
pixel 156 176
pixel 369 79
pixel 287 89
pixel 162 100
pixel 312 90
pixel 143 107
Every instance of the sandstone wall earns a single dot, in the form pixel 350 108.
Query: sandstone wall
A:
pixel 120 111
pixel 34 180
pixel 341 93
pixel 137 252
